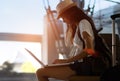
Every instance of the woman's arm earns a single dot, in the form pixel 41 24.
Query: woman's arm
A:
pixel 72 59
pixel 88 45
pixel 88 40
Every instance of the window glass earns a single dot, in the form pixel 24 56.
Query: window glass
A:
pixel 15 54
pixel 21 16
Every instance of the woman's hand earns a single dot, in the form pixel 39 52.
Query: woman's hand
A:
pixel 58 61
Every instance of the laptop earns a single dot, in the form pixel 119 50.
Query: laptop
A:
pixel 44 65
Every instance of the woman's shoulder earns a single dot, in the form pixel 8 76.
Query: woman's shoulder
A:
pixel 84 21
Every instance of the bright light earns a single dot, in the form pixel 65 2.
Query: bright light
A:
pixel 14 52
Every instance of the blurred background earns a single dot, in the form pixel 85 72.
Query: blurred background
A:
pixel 32 24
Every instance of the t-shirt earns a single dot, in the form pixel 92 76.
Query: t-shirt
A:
pixel 84 25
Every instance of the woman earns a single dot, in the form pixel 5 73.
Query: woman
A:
pixel 80 33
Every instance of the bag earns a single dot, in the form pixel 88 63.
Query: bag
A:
pixel 103 61
pixel 97 65
pixel 103 49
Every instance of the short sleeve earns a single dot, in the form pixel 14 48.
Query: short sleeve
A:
pixel 84 25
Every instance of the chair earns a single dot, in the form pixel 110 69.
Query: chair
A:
pixel 108 38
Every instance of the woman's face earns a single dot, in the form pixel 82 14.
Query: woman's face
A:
pixel 68 17
pixel 66 20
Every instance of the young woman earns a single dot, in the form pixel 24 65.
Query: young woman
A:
pixel 81 33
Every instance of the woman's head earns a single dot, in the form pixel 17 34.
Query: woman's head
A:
pixel 69 12
pixel 63 6
pixel 72 15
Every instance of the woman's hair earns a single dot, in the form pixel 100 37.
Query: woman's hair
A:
pixel 75 15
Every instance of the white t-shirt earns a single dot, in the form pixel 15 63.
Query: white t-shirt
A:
pixel 84 25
